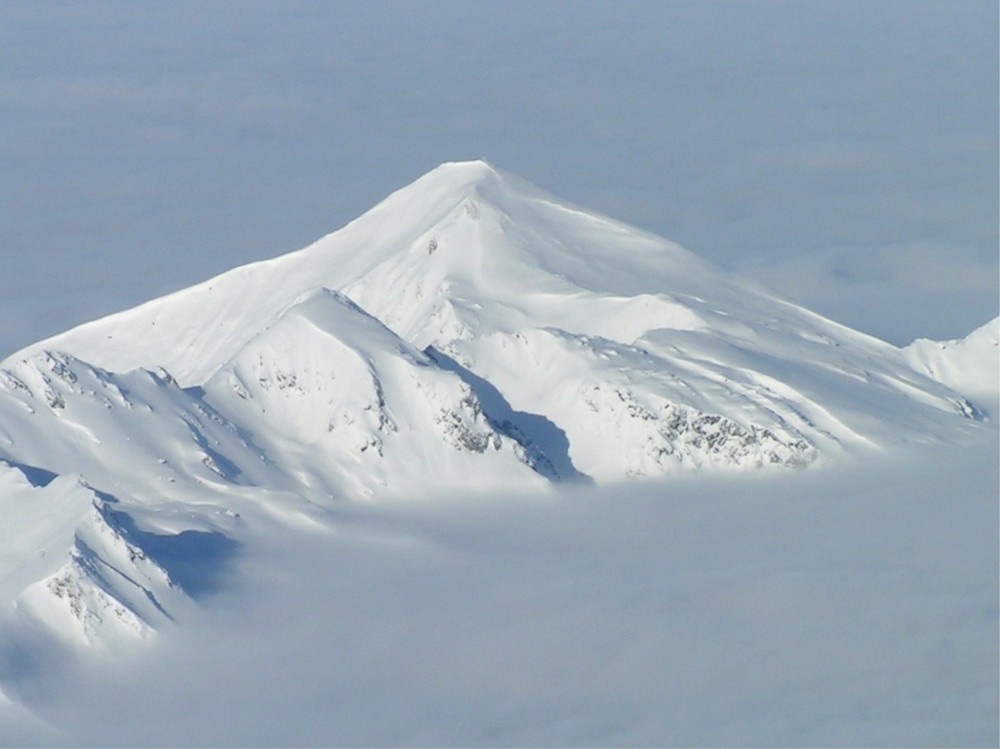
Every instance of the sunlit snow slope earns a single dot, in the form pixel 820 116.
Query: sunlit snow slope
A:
pixel 469 331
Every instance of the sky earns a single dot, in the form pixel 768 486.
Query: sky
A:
pixel 843 153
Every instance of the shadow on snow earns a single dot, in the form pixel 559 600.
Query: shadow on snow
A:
pixel 545 442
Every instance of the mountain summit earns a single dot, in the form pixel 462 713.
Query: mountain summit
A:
pixel 461 228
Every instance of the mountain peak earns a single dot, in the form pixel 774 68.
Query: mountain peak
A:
pixel 596 325
pixel 463 224
pixel 473 171
pixel 448 184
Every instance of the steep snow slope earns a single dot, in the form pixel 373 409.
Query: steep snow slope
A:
pixel 71 566
pixel 618 351
pixel 337 400
pixel 124 430
pixel 85 452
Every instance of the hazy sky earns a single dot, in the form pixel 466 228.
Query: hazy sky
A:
pixel 844 153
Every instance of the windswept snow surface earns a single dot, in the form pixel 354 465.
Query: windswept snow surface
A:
pixel 388 477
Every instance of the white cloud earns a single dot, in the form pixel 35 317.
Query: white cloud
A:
pixel 814 608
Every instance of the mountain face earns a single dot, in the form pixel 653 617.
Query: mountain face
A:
pixel 468 332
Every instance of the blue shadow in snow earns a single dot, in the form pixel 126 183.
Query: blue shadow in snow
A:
pixel 37 477
pixel 196 561
pixel 551 446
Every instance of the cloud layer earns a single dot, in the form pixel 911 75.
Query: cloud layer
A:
pixel 824 607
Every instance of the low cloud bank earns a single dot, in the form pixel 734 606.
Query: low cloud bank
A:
pixel 819 607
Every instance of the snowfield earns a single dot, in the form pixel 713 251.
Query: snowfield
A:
pixel 484 468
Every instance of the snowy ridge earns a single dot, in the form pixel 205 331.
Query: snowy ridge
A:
pixel 86 451
pixel 72 567
pixel 340 402
pixel 107 589
pixel 118 429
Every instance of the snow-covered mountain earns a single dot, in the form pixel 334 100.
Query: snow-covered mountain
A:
pixel 619 342
pixel 470 331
